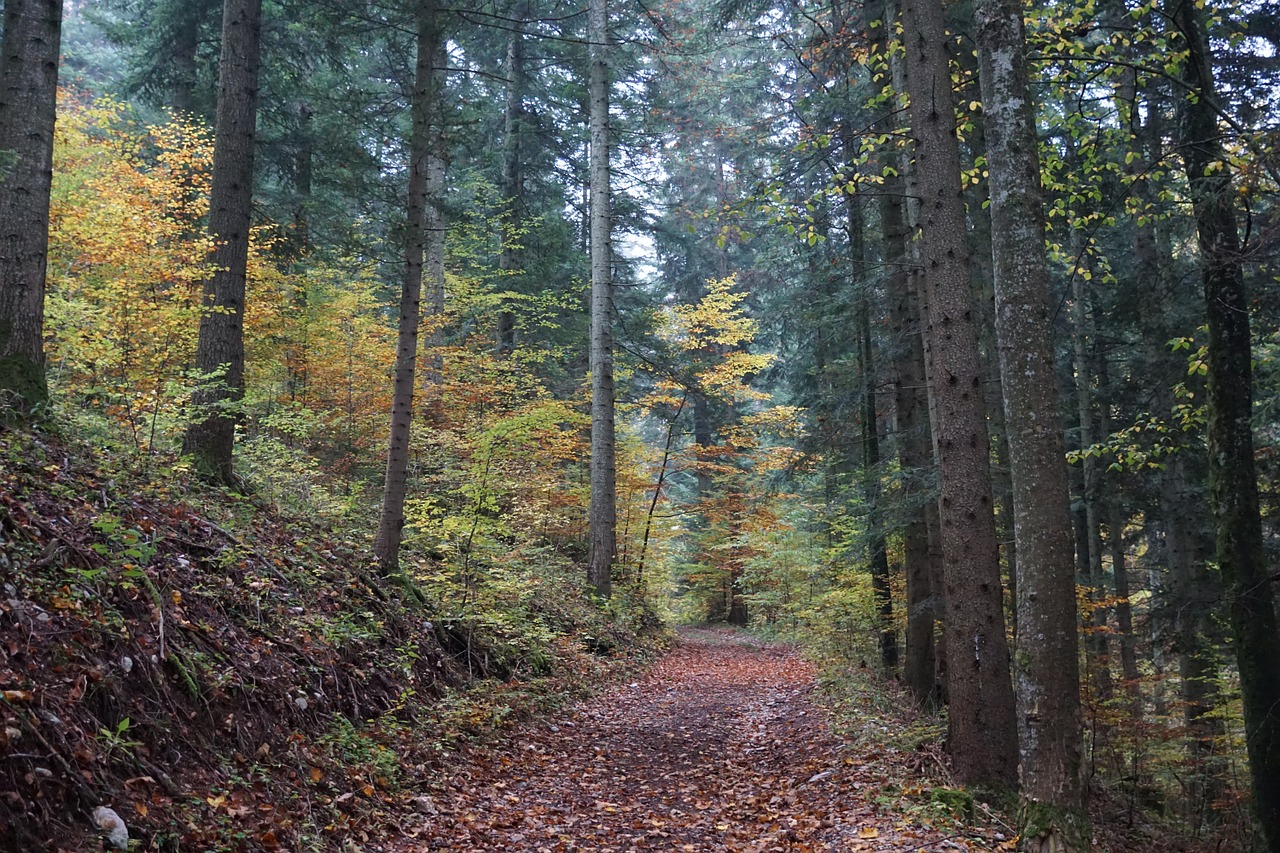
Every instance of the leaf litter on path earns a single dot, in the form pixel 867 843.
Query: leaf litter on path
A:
pixel 719 747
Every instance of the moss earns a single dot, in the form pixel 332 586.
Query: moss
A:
pixel 23 390
pixel 1050 828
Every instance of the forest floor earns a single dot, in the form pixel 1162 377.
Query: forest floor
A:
pixel 721 746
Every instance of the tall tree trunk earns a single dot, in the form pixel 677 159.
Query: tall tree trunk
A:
pixel 426 93
pixel 982 730
pixel 512 178
pixel 1088 522
pixel 1051 816
pixel 922 669
pixel 913 447
pixel 602 513
pixel 879 550
pixel 186 41
pixel 436 229
pixel 1233 485
pixel 1115 517
pixel 209 439
pixel 28 92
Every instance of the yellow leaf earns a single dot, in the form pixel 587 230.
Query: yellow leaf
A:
pixel 868 832
pixel 316 774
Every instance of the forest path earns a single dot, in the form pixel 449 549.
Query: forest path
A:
pixel 718 748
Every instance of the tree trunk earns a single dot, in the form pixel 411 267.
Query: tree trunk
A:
pixel 434 239
pixel 28 93
pixel 922 666
pixel 426 93
pixel 1088 526
pixel 1120 578
pixel 983 739
pixel 602 514
pixel 512 178
pixel 1233 485
pixel 209 439
pixel 186 41
pixel 914 452
pixel 1051 815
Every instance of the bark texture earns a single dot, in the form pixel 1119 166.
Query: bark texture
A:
pixel 911 408
pixel 426 91
pixel 602 513
pixel 1046 670
pixel 210 437
pixel 512 178
pixel 1233 485
pixel 982 732
pixel 28 92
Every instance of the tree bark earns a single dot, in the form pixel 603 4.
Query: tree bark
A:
pixel 426 92
pixel 1051 815
pixel 28 94
pixel 879 550
pixel 1233 485
pixel 210 438
pixel 920 668
pixel 602 513
pixel 982 730
pixel 512 177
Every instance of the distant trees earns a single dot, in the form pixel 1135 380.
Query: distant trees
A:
pixel 28 93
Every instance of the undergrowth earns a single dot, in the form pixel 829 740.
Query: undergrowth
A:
pixel 227 678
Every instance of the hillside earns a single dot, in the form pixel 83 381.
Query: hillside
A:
pixel 226 678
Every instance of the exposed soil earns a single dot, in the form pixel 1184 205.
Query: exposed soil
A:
pixel 719 747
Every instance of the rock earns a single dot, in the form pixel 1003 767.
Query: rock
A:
pixel 126 663
pixel 301 702
pixel 112 826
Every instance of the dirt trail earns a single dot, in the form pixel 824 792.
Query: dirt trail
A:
pixel 718 748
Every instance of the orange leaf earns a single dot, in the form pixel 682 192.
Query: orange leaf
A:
pixel 316 774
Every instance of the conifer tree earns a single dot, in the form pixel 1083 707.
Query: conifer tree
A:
pixel 28 92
